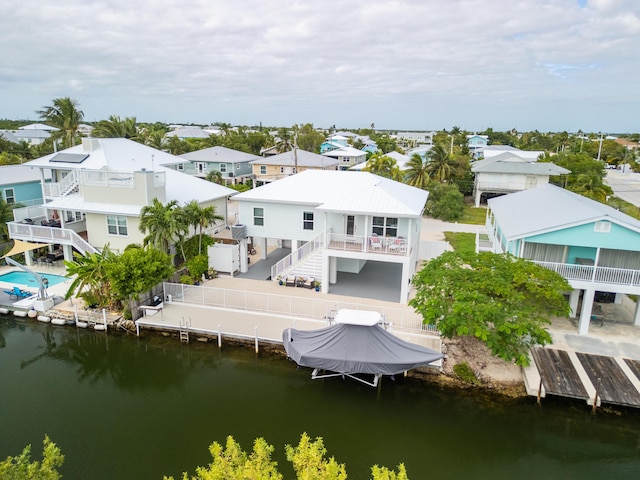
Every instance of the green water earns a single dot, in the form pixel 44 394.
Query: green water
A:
pixel 128 408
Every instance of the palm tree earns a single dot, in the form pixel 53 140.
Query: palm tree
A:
pixel 65 116
pixel 163 224
pixel 116 128
pixel 416 172
pixel 382 165
pixel 215 176
pixel 440 165
pixel 285 141
pixel 90 272
pixel 201 218
pixel 591 186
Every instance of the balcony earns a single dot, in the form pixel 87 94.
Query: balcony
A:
pixel 49 234
pixel 368 244
pixel 588 273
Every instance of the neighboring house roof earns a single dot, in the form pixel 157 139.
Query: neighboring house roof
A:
pixel 188 132
pixel 537 211
pixel 401 161
pixel 305 159
pixel 14 174
pixel 422 151
pixel 343 151
pixel 9 136
pixel 219 154
pixel 120 154
pixel 44 134
pixel 493 150
pixel 335 191
pixel 39 126
pixel 510 163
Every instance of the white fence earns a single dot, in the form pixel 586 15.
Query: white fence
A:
pixel 402 319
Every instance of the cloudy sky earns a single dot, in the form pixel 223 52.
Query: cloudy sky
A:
pixel 550 65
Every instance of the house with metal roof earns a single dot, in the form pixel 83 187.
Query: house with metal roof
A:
pixel 336 221
pixel 595 247
pixel 97 191
pixel 274 167
pixel 20 184
pixel 401 161
pixel 347 156
pixel 509 173
pixel 234 166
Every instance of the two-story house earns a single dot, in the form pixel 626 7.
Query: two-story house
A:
pixel 346 157
pixel 234 166
pixel 98 190
pixel 476 143
pixel 337 221
pixel 595 247
pixel 275 167
pixel 509 173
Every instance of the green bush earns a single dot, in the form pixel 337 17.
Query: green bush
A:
pixel 446 202
pixel 186 279
pixel 464 372
pixel 197 266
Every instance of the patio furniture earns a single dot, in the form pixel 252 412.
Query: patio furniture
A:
pixel 290 281
pixel 18 293
pixel 376 242
pixel 309 282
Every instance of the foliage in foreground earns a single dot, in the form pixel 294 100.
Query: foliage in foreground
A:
pixel 504 301
pixel 22 468
pixel 308 459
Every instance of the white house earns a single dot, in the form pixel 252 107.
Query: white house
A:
pixel 97 191
pixel 336 221
pixel 401 161
pixel 595 247
pixel 346 156
pixel 508 173
pixel 490 151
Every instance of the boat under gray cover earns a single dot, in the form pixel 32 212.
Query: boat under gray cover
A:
pixel 349 349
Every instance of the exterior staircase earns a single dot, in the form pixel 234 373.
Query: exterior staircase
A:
pixel 309 266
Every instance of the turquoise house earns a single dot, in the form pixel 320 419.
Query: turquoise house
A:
pixel 20 184
pixel 595 247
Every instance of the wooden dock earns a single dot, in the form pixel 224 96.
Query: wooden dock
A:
pixel 594 378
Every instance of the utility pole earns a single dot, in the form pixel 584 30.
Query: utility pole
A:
pixel 600 147
pixel 295 151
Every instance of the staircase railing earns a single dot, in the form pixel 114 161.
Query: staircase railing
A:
pixel 37 233
pixel 296 256
pixel 59 189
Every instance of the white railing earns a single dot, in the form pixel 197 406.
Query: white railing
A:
pixel 108 179
pixel 295 257
pixel 483 242
pixel 369 244
pixel 34 213
pixel 402 319
pixel 588 273
pixel 61 188
pixel 38 233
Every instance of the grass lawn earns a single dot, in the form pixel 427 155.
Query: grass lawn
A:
pixel 625 207
pixel 461 242
pixel 473 215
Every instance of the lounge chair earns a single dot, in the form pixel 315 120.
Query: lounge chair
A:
pixel 290 281
pixel 309 282
pixel 18 293
pixel 376 242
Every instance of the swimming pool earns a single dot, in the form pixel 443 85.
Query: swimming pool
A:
pixel 26 279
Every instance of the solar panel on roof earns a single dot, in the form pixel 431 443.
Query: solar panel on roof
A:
pixel 69 157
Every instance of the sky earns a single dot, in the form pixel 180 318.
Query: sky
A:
pixel 547 65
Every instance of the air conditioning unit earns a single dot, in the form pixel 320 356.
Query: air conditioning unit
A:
pixel 239 232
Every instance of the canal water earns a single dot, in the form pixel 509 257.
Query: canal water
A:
pixel 129 408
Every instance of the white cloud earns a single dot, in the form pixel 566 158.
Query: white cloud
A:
pixel 408 63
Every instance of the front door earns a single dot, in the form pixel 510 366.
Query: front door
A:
pixel 351 225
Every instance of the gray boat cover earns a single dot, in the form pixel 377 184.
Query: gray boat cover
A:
pixel 346 348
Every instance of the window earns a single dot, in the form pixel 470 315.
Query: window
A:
pixel 294 170
pixel 281 169
pixel 263 169
pixel 9 196
pixel 258 216
pixel 307 220
pixel 602 227
pixel 237 166
pixel 180 167
pixel 117 225
pixel 223 168
pixel 385 226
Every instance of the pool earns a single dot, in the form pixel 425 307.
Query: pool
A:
pixel 28 280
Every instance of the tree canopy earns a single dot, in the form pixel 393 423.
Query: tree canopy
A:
pixel 22 468
pixel 64 115
pixel 503 301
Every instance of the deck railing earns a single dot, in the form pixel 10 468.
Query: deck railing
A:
pixel 401 319
pixel 369 244
pixel 588 273
pixel 61 188
pixel 38 233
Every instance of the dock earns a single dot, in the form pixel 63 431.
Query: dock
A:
pixel 594 378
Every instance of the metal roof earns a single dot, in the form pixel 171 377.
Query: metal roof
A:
pixel 509 163
pixel 548 208
pixel 219 154
pixel 305 159
pixel 13 174
pixel 343 191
